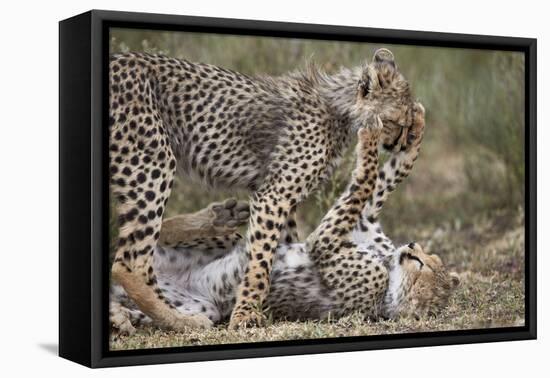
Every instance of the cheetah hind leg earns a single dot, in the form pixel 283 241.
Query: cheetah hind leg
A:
pixel 214 227
pixel 141 199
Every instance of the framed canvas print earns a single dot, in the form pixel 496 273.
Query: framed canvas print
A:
pixel 233 188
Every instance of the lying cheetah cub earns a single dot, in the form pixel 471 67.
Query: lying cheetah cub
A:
pixel 346 265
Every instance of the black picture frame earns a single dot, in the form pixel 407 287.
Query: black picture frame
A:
pixel 83 196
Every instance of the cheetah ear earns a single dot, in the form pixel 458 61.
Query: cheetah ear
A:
pixel 455 279
pixel 384 55
pixel 386 69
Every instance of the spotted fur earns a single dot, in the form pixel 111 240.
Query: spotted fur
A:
pixel 277 137
pixel 347 264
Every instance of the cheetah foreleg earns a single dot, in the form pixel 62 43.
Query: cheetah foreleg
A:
pixel 397 168
pixel 269 211
pixel 342 218
pixel 354 282
pixel 289 233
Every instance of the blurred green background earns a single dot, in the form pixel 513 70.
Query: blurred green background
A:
pixel 471 165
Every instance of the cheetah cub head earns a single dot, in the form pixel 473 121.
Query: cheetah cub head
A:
pixel 384 91
pixel 424 285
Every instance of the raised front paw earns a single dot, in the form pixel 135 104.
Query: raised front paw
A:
pixel 370 135
pixel 229 214
pixel 245 316
pixel 416 132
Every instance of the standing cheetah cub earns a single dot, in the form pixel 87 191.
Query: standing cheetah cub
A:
pixel 278 137
pixel 347 264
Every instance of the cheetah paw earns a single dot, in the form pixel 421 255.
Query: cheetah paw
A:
pixel 229 214
pixel 184 322
pixel 414 137
pixel 201 321
pixel 242 319
pixel 121 325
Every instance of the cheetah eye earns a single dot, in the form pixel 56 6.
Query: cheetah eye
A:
pixel 406 255
pixel 419 261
